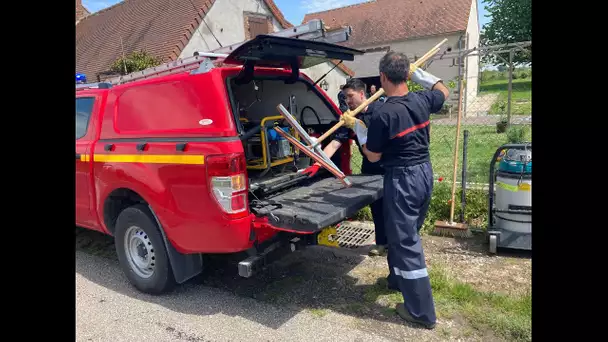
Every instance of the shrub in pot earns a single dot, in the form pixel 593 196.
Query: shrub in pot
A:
pixel 501 125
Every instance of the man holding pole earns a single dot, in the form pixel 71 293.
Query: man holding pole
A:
pixel 355 94
pixel 398 138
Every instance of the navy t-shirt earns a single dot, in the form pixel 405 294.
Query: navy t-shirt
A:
pixel 399 128
pixel 343 134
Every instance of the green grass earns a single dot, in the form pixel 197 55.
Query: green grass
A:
pixel 482 143
pixel 506 316
pixel 318 312
pixel 521 95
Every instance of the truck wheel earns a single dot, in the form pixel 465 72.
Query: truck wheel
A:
pixel 141 251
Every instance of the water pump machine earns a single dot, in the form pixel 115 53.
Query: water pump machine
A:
pixel 510 207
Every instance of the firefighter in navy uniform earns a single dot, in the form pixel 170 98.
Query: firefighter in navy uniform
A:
pixel 398 138
pixel 354 92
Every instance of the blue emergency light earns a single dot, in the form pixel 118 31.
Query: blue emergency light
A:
pixel 81 78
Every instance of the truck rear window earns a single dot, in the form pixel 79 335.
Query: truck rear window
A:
pixel 163 107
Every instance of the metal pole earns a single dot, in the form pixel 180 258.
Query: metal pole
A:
pixel 466 73
pixel 460 79
pixel 463 197
pixel 510 88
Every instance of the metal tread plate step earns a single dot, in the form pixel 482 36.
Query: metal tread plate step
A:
pixel 355 234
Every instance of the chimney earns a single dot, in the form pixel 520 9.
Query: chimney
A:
pixel 81 12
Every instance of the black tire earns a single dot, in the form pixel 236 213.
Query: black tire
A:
pixel 139 223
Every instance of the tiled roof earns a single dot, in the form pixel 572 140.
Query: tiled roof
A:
pixel 160 27
pixel 381 21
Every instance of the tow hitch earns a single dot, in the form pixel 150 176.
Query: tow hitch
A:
pixel 269 254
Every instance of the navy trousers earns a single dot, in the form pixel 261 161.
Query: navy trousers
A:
pixel 378 217
pixel 376 207
pixel 407 195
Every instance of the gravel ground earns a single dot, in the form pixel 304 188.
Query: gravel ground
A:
pixel 296 298
pixel 109 309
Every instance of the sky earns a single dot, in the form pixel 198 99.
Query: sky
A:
pixel 294 10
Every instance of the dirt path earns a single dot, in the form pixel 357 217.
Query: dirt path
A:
pixel 345 285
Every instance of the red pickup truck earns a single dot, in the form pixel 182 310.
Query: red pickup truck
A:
pixel 180 166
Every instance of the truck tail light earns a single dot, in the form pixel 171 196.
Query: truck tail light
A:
pixel 228 182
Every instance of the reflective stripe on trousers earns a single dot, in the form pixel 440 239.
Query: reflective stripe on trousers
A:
pixel 407 195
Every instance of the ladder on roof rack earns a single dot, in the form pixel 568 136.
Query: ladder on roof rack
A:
pixel 314 30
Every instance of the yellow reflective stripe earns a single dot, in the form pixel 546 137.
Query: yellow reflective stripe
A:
pixel 507 187
pixel 84 157
pixel 149 158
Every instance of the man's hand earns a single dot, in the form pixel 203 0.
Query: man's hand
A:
pixel 348 120
pixel 425 79
pixel 312 170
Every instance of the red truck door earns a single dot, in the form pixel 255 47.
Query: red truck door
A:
pixel 84 140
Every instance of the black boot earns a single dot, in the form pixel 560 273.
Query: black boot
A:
pixel 402 311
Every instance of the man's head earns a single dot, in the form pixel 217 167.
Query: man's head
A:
pixel 394 69
pixel 372 89
pixel 354 89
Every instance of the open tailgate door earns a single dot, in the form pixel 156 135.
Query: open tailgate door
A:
pixel 314 205
pixel 277 52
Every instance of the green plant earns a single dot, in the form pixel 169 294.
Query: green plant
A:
pixel 498 107
pixel 136 61
pixel 518 134
pixel 446 108
pixel 475 212
pixel 365 214
pixel 412 86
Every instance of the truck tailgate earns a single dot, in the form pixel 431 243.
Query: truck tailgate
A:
pixel 310 207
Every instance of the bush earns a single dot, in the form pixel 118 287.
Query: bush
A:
pixel 499 107
pixel 518 134
pixel 136 61
pixel 364 214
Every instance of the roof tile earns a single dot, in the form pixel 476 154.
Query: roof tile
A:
pixel 381 21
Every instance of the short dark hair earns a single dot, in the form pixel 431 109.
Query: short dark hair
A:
pixel 355 84
pixel 396 67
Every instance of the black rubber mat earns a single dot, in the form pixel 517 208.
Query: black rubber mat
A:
pixel 312 207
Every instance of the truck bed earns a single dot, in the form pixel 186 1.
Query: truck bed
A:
pixel 314 205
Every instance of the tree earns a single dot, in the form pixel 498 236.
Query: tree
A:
pixel 511 22
pixel 136 61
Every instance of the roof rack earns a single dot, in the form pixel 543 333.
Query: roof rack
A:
pixel 314 30
pixel 98 85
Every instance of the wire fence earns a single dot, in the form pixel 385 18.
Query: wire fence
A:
pixel 496 109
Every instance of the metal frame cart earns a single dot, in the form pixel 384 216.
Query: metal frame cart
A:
pixel 510 208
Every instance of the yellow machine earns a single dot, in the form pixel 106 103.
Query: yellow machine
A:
pixel 267 149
